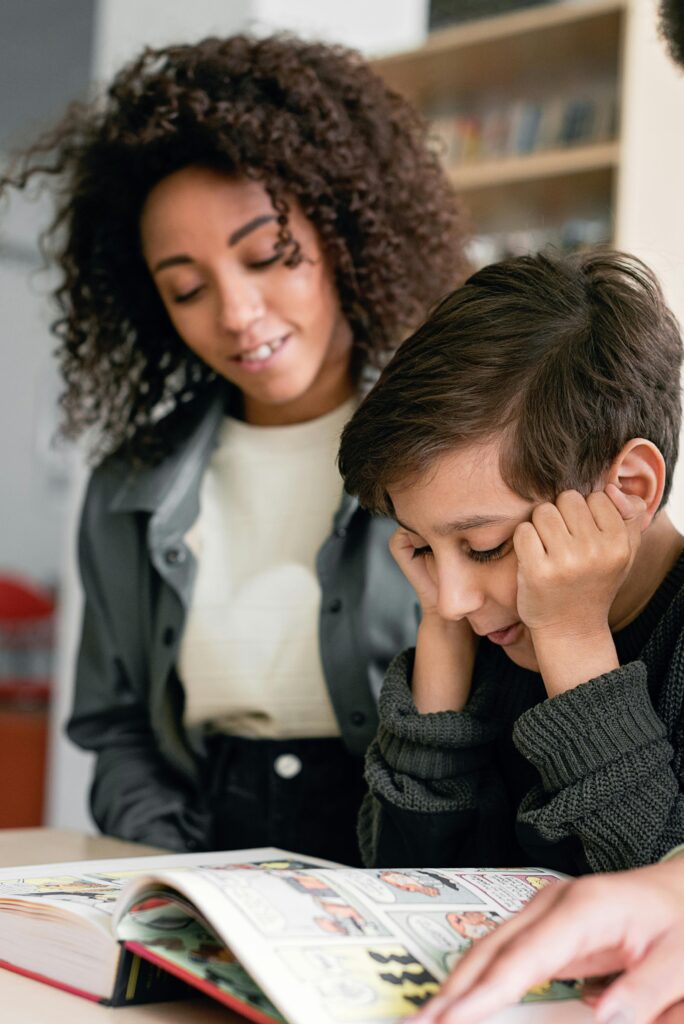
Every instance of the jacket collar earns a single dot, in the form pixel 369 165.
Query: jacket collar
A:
pixel 148 489
pixel 155 488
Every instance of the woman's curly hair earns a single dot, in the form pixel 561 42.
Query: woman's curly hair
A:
pixel 312 123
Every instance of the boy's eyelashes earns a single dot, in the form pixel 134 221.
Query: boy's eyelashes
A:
pixel 490 555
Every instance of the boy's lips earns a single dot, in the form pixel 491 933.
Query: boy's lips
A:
pixel 507 635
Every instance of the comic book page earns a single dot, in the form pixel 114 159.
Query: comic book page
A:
pixel 339 946
pixel 56 919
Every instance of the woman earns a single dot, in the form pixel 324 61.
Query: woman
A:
pixel 245 229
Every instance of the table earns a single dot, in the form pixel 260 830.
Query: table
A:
pixel 31 1002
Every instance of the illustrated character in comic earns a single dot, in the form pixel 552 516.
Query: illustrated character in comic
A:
pixel 537 881
pixel 309 884
pixel 471 924
pixel 211 953
pixel 343 919
pixel 408 882
pixel 173 945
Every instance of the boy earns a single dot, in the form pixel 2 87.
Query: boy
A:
pixel 524 439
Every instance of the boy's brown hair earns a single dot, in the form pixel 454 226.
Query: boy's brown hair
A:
pixel 565 358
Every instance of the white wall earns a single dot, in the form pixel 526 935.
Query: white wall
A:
pixel 375 27
pixel 34 472
pixel 650 211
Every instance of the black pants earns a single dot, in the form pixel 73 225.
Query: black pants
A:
pixel 301 795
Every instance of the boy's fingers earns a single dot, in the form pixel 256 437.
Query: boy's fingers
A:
pixel 630 506
pixel 548 945
pixel 528 544
pixel 650 987
pixel 466 973
pixel 578 514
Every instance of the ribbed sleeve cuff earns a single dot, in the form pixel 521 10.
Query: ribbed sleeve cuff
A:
pixel 432 746
pixel 577 732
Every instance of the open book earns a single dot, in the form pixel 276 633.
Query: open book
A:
pixel 274 935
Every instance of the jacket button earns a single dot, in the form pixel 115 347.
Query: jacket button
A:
pixel 335 605
pixel 357 718
pixel 341 531
pixel 287 766
pixel 168 636
pixel 173 556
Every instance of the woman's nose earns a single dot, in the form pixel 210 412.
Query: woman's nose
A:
pixel 240 304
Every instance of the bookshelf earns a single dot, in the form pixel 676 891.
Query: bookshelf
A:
pixel 490 88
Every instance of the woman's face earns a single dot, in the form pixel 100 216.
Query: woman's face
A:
pixel 277 333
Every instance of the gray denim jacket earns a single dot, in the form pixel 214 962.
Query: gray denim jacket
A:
pixel 138 575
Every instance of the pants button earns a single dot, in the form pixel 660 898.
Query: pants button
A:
pixel 287 766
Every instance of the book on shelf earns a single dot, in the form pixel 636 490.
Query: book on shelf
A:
pixel 273 935
pixel 516 127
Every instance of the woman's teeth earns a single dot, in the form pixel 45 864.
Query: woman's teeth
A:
pixel 257 355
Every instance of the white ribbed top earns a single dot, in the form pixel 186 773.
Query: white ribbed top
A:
pixel 249 657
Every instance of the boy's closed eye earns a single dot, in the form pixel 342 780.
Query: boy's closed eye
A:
pixel 475 554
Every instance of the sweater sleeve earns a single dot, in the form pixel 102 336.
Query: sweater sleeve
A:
pixel 605 767
pixel 433 797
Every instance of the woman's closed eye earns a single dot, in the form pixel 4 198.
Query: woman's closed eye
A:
pixel 190 294
pixel 268 262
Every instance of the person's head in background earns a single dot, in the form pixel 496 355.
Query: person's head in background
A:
pixel 262 212
pixel 672 28
pixel 539 375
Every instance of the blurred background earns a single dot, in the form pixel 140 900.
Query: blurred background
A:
pixel 561 123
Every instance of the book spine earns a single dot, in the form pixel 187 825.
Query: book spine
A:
pixel 140 981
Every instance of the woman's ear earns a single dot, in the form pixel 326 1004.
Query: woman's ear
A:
pixel 639 469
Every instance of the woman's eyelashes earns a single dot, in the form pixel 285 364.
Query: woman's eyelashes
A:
pixel 262 264
pixel 490 555
pixel 256 264
pixel 186 296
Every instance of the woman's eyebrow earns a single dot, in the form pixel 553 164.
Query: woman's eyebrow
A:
pixel 237 235
pixel 251 225
pixel 171 261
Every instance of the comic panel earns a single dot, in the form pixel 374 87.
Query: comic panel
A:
pixel 298 903
pixel 167 931
pixel 97 890
pixel 511 890
pixel 361 983
pixel 387 887
pixel 445 935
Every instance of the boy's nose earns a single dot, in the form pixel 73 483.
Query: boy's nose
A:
pixel 457 596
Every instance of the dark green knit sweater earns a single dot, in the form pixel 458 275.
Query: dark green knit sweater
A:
pixel 590 780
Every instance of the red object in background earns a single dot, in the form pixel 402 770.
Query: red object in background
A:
pixel 26 636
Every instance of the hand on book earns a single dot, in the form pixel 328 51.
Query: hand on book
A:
pixel 631 922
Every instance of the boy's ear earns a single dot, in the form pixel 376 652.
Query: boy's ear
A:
pixel 639 468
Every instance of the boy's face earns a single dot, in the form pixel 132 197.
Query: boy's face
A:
pixel 461 516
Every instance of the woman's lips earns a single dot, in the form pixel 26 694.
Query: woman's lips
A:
pixel 262 356
pixel 506 636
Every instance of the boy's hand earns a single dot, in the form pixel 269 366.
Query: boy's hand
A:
pixel 572 559
pixel 416 570
pixel 445 650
